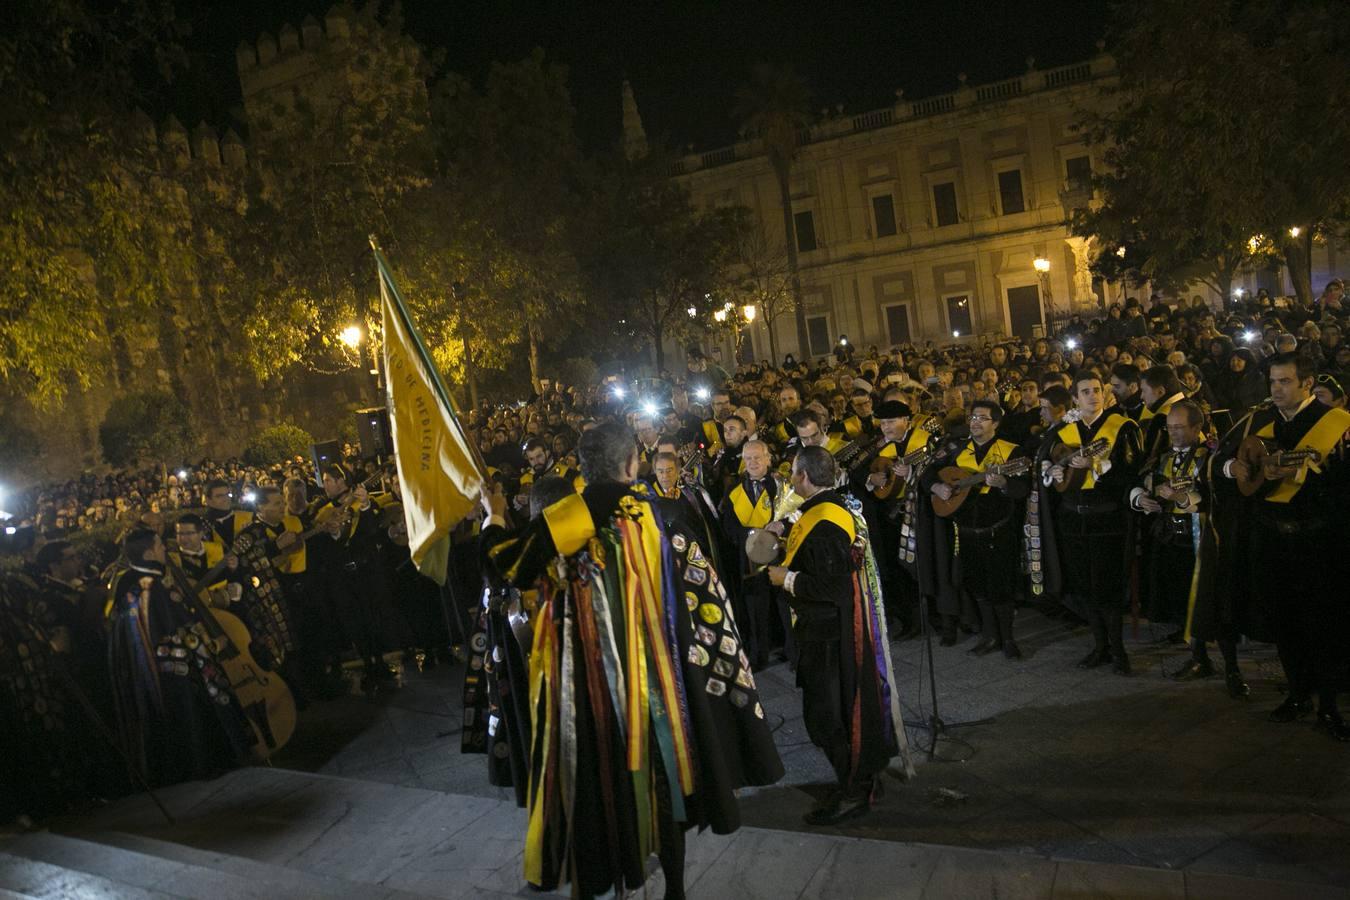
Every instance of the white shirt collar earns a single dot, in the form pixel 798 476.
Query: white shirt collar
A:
pixel 1301 407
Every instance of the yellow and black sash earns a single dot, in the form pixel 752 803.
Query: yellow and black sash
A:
pixel 1109 429
pixel 1323 437
pixel 821 512
pixel 996 455
pixel 292 563
pixel 712 437
pixel 854 428
pixel 755 515
pixel 570 524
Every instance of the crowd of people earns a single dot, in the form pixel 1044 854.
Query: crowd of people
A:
pixel 1170 462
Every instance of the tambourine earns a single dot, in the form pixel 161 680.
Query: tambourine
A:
pixel 763 547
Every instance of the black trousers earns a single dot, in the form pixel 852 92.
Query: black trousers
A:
pixel 822 709
pixel 1092 557
pixel 1299 578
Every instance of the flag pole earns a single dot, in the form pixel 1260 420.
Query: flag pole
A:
pixel 387 281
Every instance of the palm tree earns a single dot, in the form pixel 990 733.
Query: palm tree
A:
pixel 775 107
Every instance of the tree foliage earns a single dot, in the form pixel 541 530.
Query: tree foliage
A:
pixel 144 427
pixel 1229 140
pixel 279 442
pixel 655 257
pixel 775 106
pixel 129 262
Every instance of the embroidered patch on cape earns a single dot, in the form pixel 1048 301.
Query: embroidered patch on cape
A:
pixel 710 613
pixel 716 687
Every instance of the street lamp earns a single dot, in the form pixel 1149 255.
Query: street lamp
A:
pixel 749 312
pixel 1042 267
pixel 351 336
pixel 1295 231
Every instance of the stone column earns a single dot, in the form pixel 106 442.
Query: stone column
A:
pixel 1083 299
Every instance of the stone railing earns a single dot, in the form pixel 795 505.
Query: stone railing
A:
pixel 906 110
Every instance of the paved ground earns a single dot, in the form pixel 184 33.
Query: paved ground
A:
pixel 261 834
pixel 1076 765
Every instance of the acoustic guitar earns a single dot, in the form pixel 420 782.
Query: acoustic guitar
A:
pixel 963 481
pixel 1063 455
pixel 269 706
pixel 1258 460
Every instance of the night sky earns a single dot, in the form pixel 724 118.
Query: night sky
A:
pixel 684 60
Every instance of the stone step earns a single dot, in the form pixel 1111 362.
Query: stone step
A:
pixel 127 865
pixel 24 877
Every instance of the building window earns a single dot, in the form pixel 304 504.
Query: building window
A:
pixel 897 323
pixel 818 332
pixel 1078 173
pixel 1010 192
pixel 883 214
pixel 806 230
pixel 944 203
pixel 958 315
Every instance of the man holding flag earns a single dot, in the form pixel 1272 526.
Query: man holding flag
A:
pixel 644 716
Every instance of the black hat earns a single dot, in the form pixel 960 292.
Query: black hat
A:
pixel 892 409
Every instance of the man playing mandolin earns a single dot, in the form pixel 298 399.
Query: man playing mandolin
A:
pixel 1096 458
pixel 984 557
pixel 1289 457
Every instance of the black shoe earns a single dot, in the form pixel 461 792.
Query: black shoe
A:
pixel 1120 664
pixel 1291 710
pixel 840 809
pixel 1195 669
pixel 1098 657
pixel 983 647
pixel 1011 650
pixel 1237 686
pixel 1332 724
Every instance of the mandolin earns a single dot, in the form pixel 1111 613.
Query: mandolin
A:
pixel 1259 460
pixel 1063 455
pixel 340 513
pixel 963 481
pixel 893 483
pixel 268 704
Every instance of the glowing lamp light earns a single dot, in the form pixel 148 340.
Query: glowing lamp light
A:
pixel 249 496
pixel 1295 231
pixel 720 315
pixel 1120 251
pixel 1071 343
pixel 693 312
pixel 1238 292
pixel 649 408
pixel 702 395
pixel 843 341
pixel 1041 264
pixel 1250 336
pixel 351 336
pixel 617 391
pixel 956 333
pixel 749 312
pixel 182 473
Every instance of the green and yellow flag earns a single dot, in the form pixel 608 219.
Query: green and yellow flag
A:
pixel 437 468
